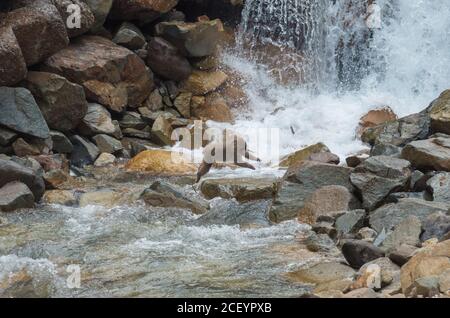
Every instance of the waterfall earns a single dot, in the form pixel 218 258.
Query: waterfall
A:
pixel 323 64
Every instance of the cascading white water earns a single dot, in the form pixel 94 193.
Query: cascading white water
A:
pixel 403 62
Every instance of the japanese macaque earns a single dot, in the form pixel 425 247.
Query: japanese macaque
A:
pixel 227 148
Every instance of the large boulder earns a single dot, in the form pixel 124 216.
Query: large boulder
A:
pixel 12 64
pixel 21 113
pixel 62 103
pixel 11 171
pixel 160 162
pixel 143 10
pixel 243 189
pixel 390 215
pixel 406 232
pixel 399 132
pixel 39 29
pixel 379 176
pixel 165 60
pixel 15 195
pixel 110 74
pixel 440 113
pixel 431 261
pixel 429 154
pixel 163 194
pixel 192 39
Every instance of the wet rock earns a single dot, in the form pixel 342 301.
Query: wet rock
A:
pixel 105 159
pixel 87 18
pixel 165 60
pixel 160 162
pixel 319 243
pixel 399 132
pixel 15 195
pixel 390 215
pixel 6 136
pixel 439 186
pixel 39 29
pixel 406 232
pixel 214 107
pixel 61 197
pixel 12 64
pixel 61 144
pixel 55 178
pixel 110 74
pixel 429 154
pixel 325 200
pixel 143 11
pixel 107 144
pixel 401 254
pixel 202 83
pixel 105 198
pixel 192 39
pixel 163 194
pixel 303 154
pixel 21 113
pixel 84 152
pixel 431 261
pixel 242 189
pixel 249 214
pixel 440 113
pixel 129 36
pixel 379 176
pixel 322 273
pixel 436 225
pixel 11 171
pixel 350 222
pixel 357 253
pixel 22 148
pixel 97 121
pixel 162 132
pixel 62 103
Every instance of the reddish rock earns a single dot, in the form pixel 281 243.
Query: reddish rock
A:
pixel 12 64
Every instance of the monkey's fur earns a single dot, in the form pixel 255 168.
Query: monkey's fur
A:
pixel 232 142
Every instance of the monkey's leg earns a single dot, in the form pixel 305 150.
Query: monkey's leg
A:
pixel 202 170
pixel 251 156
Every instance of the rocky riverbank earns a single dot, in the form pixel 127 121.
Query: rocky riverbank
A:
pixel 87 116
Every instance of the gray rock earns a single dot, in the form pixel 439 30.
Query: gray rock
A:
pixel 319 243
pixel 322 273
pixel 400 255
pixel 435 225
pixel 15 195
pixel 84 152
pixel 162 132
pixel 406 232
pixel 288 202
pixel 61 144
pixel 350 222
pixel 97 121
pixel 132 120
pixel 164 194
pixel 105 159
pixel 107 144
pixel 395 197
pixel 357 253
pixel 429 154
pixel 444 281
pixel 12 171
pixel 390 215
pixel 6 136
pixel 21 113
pixel 248 214
pixel 142 134
pixel 385 149
pixel 416 176
pixel 129 36
pixel 425 286
pixel 62 103
pixel 439 186
pixel 325 228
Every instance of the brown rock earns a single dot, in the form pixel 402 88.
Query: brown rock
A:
pixel 325 157
pixel 303 154
pixel 376 117
pixel 201 83
pixel 55 178
pixel 22 148
pixel 143 10
pixel 214 108
pixel 15 195
pixel 12 64
pixel 61 197
pixel 87 17
pixel 183 104
pixel 110 74
pixel 429 154
pixel 440 113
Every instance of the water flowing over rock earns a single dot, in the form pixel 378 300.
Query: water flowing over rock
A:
pixel 111 75
pixel 21 113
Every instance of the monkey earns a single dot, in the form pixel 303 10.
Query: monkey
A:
pixel 231 142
